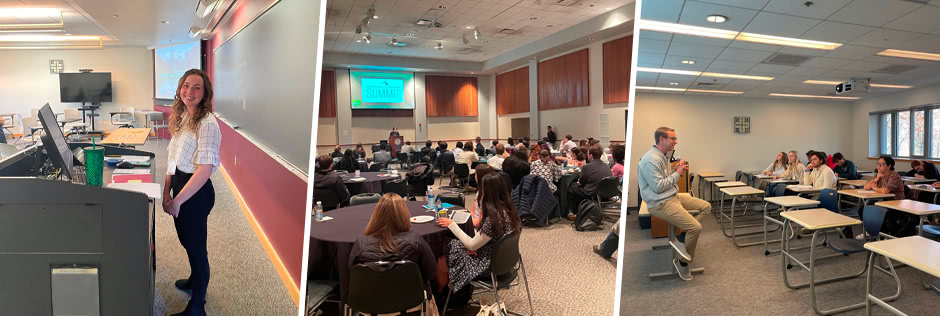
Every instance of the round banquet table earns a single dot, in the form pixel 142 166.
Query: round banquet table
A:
pixel 371 184
pixel 332 240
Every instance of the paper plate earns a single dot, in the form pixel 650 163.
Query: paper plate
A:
pixel 422 219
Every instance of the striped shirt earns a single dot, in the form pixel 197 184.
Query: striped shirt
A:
pixel 188 149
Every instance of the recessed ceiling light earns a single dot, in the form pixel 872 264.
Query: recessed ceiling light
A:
pixel 358 41
pixel 909 54
pixel 733 35
pixel 703 74
pixel 673 83
pixel 375 16
pixel 811 96
pixel 115 16
pixel 608 8
pixel 469 27
pixel 165 22
pixel 439 46
pixel 689 90
pixel 690 62
pixel 876 85
pixel 714 18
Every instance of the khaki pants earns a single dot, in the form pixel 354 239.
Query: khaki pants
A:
pixel 675 211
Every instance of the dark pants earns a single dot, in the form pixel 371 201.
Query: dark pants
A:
pixel 3 137
pixel 191 230
pixel 575 196
pixel 609 245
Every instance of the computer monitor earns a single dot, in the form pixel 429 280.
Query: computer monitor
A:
pixel 54 142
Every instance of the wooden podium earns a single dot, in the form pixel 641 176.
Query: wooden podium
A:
pixel 658 227
pixel 395 142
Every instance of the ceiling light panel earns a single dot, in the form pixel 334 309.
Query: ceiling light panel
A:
pixel 676 28
pixel 806 96
pixel 874 85
pixel 909 54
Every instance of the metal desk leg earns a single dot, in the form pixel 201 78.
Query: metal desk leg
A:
pixel 724 231
pixel 675 255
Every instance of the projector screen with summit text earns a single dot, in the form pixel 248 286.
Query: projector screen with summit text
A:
pixel 382 90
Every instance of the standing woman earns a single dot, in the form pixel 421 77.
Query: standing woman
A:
pixel 194 155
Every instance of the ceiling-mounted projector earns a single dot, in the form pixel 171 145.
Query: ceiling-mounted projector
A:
pixel 854 86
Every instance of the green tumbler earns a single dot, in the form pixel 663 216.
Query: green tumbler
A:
pixel 94 166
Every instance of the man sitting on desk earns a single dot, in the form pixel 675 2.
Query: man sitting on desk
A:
pixel 844 168
pixel 659 189
pixel 817 173
pixel 923 170
pixel 329 181
pixel 382 156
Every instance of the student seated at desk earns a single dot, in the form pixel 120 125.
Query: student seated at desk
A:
pixel 887 181
pixel 818 174
pixel 778 167
pixel 794 167
pixel 388 237
pixel 844 168
pixel 923 170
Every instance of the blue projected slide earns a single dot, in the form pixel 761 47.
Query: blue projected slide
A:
pixel 383 90
pixel 169 65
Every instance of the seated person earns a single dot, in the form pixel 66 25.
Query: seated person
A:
pixel 818 174
pixel 327 180
pixel 534 152
pixel 382 156
pixel 337 152
pixel 517 166
pixel 468 258
pixel 479 148
pixel 546 168
pixel 923 170
pixel 446 158
pixel 778 167
pixel 567 144
pixel 468 156
pixel 388 237
pixel 844 168
pixel 886 181
pixel 497 161
pixel 360 151
pixel 348 162
pixel 406 148
pixel 577 158
pixel 591 175
pixel 478 173
pixel 610 244
pixel 619 152
pixel 795 167
pixel 458 149
pixel 493 146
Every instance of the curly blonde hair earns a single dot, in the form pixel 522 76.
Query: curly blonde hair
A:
pixel 202 109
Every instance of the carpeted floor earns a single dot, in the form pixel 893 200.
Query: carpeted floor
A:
pixel 243 279
pixel 742 281
pixel 565 276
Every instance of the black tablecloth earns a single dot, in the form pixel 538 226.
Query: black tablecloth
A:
pixel 563 184
pixel 331 241
pixel 372 183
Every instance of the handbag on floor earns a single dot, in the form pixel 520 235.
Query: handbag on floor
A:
pixel 497 309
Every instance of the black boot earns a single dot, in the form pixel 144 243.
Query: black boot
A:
pixel 184 285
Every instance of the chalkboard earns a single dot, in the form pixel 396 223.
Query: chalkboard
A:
pixel 264 79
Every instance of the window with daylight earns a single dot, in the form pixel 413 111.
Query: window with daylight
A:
pixel 911 133
pixel 904 134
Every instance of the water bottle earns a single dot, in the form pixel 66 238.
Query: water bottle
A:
pixel 439 211
pixel 318 211
pixel 430 198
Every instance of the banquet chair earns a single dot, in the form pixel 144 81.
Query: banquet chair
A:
pixel 505 265
pixel 327 198
pixel 385 287
pixel 399 187
pixel 364 198
pixel 454 198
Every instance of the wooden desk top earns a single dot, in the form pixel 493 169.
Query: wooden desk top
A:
pixel 819 218
pixel 923 187
pixel 715 179
pixel 128 136
pixel 730 184
pixel 862 195
pixel 710 174
pixel 857 183
pixel 742 190
pixel 910 206
pixel 803 188
pixel 791 201
pixel 784 181
pixel 917 180
pixel 915 251
pixel 762 176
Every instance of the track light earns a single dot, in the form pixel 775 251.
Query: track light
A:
pixel 476 33
pixel 439 46
pixel 394 41
pixel 367 38
pixel 464 39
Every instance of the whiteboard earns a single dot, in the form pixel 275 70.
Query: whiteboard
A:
pixel 264 79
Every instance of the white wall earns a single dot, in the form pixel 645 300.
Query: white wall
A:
pixel 918 96
pixel 25 81
pixel 704 123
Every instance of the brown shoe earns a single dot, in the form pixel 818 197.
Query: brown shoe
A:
pixel 572 217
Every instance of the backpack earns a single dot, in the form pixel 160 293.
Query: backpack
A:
pixel 589 216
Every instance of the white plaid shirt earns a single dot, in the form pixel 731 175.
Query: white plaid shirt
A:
pixel 188 149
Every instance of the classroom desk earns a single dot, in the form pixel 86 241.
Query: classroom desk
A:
pixel 786 203
pixel 914 180
pixel 921 253
pixel 916 208
pixel 818 220
pixel 728 184
pixel 803 189
pixel 863 197
pixel 702 176
pixel 711 186
pixel 926 188
pixel 749 176
pixel 853 183
pixel 758 178
pixel 735 193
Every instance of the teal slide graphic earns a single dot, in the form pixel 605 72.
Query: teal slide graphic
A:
pixel 383 90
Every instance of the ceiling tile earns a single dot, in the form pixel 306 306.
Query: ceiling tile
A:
pixel 755 46
pixel 675 62
pixel 808 71
pixel 885 38
pixel 696 40
pixel 926 43
pixel 750 4
pixel 819 10
pixel 864 66
pixel 691 50
pixel 694 13
pixel 773 69
pixel 922 20
pixel 731 65
pixel 662 10
pixel 744 55
pixel 873 12
pixel 780 25
pixel 825 62
pixel 649 60
pixel 659 36
pixel 836 32
pixel 853 52
pixel 802 51
pixel 653 46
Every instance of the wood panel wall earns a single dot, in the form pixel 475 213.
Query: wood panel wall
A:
pixel 563 81
pixel 617 55
pixel 512 91
pixel 451 96
pixel 328 94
